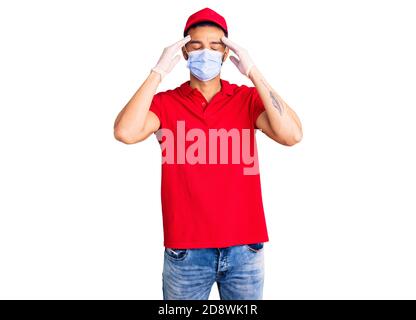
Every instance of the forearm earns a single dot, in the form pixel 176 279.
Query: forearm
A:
pixel 283 120
pixel 132 117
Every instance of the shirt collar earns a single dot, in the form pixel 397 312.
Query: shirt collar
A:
pixel 226 88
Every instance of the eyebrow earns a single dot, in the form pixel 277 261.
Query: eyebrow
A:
pixel 200 42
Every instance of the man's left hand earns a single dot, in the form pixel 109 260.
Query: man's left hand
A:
pixel 244 62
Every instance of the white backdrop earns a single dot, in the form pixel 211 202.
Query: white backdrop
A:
pixel 80 213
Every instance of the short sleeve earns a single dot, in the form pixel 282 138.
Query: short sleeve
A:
pixel 156 106
pixel 256 106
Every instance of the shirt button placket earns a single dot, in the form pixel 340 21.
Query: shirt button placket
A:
pixel 204 105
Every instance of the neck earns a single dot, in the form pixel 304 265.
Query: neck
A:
pixel 207 88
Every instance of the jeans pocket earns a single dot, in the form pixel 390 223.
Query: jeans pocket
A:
pixel 254 247
pixel 176 254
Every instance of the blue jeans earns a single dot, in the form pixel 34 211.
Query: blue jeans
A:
pixel 188 274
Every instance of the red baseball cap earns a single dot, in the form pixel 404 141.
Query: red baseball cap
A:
pixel 206 14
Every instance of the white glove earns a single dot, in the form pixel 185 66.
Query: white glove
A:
pixel 168 59
pixel 244 63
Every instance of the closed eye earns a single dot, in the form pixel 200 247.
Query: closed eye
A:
pixel 216 46
pixel 196 47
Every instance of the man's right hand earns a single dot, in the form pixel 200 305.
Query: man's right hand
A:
pixel 168 60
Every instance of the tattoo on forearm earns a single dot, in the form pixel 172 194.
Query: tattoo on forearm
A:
pixel 275 101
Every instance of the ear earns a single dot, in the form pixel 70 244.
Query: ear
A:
pixel 226 52
pixel 185 55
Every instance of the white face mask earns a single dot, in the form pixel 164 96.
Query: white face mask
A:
pixel 204 64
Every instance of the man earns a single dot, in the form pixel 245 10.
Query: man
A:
pixel 213 219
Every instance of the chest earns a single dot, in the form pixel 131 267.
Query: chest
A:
pixel 230 112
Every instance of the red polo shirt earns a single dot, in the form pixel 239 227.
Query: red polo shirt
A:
pixel 210 202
